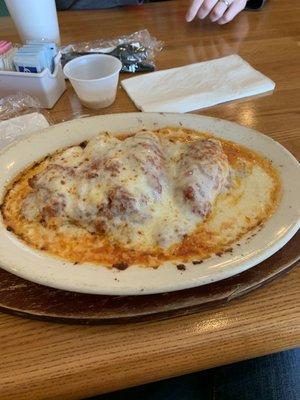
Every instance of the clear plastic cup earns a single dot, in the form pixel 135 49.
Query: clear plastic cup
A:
pixel 94 78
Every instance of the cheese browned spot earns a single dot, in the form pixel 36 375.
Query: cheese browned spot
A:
pixel 173 194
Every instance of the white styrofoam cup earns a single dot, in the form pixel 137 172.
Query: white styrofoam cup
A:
pixel 35 19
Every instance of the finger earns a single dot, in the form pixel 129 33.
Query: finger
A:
pixel 192 11
pixel 232 11
pixel 218 11
pixel 206 8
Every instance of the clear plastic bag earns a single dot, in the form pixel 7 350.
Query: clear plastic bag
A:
pixel 20 114
pixel 135 51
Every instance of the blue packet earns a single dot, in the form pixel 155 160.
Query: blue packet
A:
pixel 44 54
pixel 50 46
pixel 51 49
pixel 28 62
pixel 35 56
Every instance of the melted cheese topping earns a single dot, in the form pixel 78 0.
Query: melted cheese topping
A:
pixel 142 191
pixel 155 196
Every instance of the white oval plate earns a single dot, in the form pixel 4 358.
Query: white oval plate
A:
pixel 19 259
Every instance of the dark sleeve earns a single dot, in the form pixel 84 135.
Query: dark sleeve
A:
pixel 93 4
pixel 254 4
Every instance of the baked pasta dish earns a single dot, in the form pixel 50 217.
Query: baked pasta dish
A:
pixel 144 198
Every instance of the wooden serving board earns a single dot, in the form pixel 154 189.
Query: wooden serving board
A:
pixel 22 297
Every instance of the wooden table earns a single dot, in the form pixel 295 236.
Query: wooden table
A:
pixel 42 360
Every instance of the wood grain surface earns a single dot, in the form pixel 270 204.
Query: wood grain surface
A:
pixel 41 360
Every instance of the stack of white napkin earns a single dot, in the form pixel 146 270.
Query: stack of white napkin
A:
pixel 197 85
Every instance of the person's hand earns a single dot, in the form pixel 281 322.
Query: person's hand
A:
pixel 220 11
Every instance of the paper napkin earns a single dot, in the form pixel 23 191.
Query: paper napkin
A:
pixel 197 85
